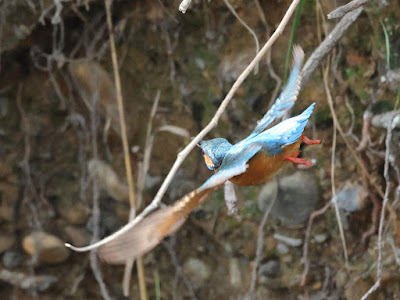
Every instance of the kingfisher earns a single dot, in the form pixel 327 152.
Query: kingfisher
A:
pixel 253 160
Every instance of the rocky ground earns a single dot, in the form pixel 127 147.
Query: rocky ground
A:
pixel 60 143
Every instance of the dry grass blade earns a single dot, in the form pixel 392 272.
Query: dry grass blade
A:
pixel 129 264
pixel 335 125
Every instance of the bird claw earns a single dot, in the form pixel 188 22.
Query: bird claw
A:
pixel 300 161
pixel 308 141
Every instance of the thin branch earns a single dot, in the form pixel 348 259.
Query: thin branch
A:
pixel 382 219
pixel 251 31
pixel 344 9
pixel 170 245
pixel 94 264
pixel 182 155
pixel 271 70
pixel 306 261
pixel 260 243
pixel 327 45
pixel 335 123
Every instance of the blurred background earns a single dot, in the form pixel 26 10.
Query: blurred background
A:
pixel 62 172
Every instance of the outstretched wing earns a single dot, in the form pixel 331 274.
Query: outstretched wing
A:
pixel 234 163
pixel 288 96
pixel 284 133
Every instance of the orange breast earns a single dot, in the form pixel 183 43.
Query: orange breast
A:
pixel 263 167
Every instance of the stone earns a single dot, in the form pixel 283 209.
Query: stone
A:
pixel 45 248
pixel 76 214
pixel 79 237
pixel 292 242
pixel 320 238
pixel 297 196
pixel 351 198
pixel 270 269
pixel 384 120
pixel 197 270
pixel 11 259
pixel 282 248
pixel 239 272
pixel 109 180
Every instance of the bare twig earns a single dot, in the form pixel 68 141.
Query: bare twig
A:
pixel 260 243
pixel 365 130
pixel 344 9
pixel 129 263
pixel 170 245
pixel 251 31
pixel 95 207
pixel 25 162
pixel 141 180
pixel 270 68
pixel 382 219
pixel 330 102
pixel 306 261
pixel 326 46
pixel 182 155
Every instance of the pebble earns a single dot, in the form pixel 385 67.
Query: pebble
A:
pixel 270 269
pixel 320 238
pixel 76 214
pixel 77 236
pixel 234 272
pixel 292 242
pixel 197 270
pixel 282 248
pixel 297 197
pixel 351 198
pixel 11 259
pixel 46 248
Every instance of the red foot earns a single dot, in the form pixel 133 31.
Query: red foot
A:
pixel 300 161
pixel 307 141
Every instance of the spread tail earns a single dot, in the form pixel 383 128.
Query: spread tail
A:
pixel 149 232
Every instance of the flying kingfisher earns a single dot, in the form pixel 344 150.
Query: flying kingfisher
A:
pixel 253 160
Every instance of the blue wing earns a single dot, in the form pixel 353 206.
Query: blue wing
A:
pixel 284 133
pixel 234 163
pixel 288 96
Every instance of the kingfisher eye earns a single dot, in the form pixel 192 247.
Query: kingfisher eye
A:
pixel 208 161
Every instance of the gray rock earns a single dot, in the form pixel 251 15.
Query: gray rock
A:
pixel 292 242
pixel 384 120
pixel 320 238
pixel 270 269
pixel 282 248
pixel 197 270
pixel 11 259
pixel 351 198
pixel 297 197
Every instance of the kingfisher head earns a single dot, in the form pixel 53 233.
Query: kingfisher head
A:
pixel 214 152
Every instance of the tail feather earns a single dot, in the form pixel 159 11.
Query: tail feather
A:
pixel 149 232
